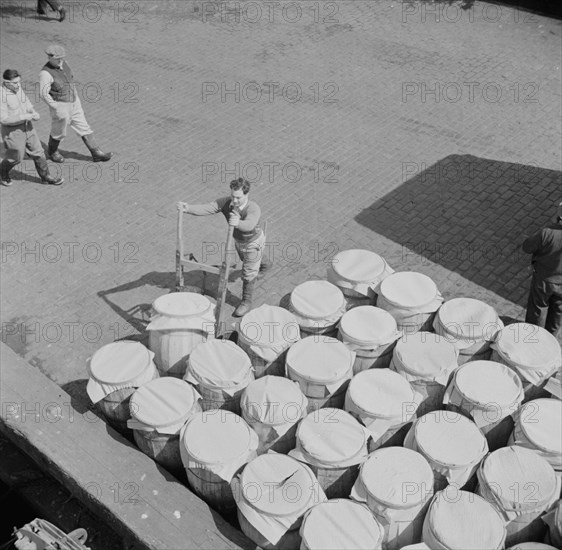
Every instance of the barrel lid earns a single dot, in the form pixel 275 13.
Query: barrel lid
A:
pixel 269 326
pixel 219 363
pixel 317 299
pixel 380 392
pixel 162 402
pixel 119 362
pixel 368 325
pixel 541 422
pixel 519 478
pixel 358 265
pixel 182 304
pixel 408 289
pixel 341 523
pixel 528 346
pixel 465 520
pixel 532 546
pixel 425 353
pixel 273 400
pixel 331 435
pixel 278 484
pixel 322 360
pixel 397 477
pixel 217 436
pixel 469 319
pixel 449 438
pixel 488 383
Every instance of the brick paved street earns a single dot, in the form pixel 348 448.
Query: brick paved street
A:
pixel 430 137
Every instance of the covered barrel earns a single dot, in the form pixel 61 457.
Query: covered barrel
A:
pixel 470 325
pixel 371 333
pixel 159 410
pixel 426 360
pixel 317 307
pixel 411 298
pixel 220 370
pixel 322 367
pixel 265 334
pixel 333 444
pixel 116 370
pixel 273 492
pixel 488 393
pixel 384 402
pixel 181 321
pixel 357 273
pixel 273 406
pixel 396 484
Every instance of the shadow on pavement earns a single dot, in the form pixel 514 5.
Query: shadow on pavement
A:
pixel 469 215
pixel 550 8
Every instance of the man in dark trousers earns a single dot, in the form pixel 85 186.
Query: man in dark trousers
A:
pixel 18 134
pixel 544 307
pixel 55 5
pixel 58 90
pixel 244 215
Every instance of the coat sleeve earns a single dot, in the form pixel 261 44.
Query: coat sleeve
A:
pixel 533 243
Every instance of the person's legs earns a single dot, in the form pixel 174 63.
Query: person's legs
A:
pixel 59 124
pixel 14 143
pixel 55 6
pixel 251 255
pixel 554 316
pixel 35 151
pixel 80 125
pixel 537 303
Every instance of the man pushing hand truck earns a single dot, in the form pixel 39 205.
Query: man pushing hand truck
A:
pixel 243 215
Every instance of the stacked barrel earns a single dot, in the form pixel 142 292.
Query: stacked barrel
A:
pixel 370 413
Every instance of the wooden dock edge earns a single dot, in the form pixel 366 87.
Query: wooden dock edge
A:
pixel 141 501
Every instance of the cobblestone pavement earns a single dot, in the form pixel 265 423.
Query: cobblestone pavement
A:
pixel 424 132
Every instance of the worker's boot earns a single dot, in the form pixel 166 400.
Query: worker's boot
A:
pixel 97 154
pixel 52 150
pixel 43 170
pixel 5 167
pixel 247 294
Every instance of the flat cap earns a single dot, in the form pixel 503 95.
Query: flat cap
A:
pixel 55 51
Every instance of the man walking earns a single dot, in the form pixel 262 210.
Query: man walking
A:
pixel 58 90
pixel 244 215
pixel 544 306
pixel 18 134
pixel 55 5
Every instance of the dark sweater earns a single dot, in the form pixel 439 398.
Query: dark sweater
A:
pixel 546 248
pixel 62 89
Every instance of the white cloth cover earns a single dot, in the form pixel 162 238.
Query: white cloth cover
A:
pixel 219 364
pixel 323 362
pixel 465 322
pixel 395 483
pixel 517 481
pixel 119 365
pixel 183 311
pixel 532 546
pixel 268 331
pixel 485 390
pixel 381 399
pixel 531 350
pixel 218 441
pixel 163 405
pixel 273 492
pixel 330 438
pixel 317 304
pixel 358 270
pixel 340 524
pixel 452 444
pixel 408 292
pixel 368 328
pixel 554 384
pixel 273 402
pixel 424 358
pixel 538 426
pixel 461 520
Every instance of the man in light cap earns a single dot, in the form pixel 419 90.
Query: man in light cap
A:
pixel 544 307
pixel 58 90
pixel 18 134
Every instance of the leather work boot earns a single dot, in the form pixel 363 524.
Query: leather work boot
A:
pixel 43 170
pixel 247 294
pixel 5 167
pixel 52 151
pixel 97 154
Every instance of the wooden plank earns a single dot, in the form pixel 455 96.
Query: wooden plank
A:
pixel 141 501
